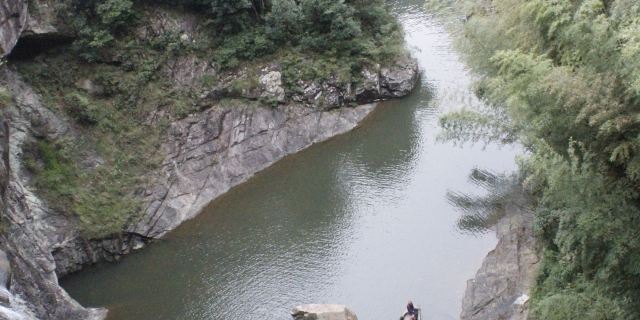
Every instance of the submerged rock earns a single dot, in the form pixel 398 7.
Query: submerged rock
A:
pixel 323 312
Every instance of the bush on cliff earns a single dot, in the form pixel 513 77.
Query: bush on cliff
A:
pixel 563 79
pixel 249 29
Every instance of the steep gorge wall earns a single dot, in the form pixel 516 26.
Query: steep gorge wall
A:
pixel 31 232
pixel 501 287
pixel 206 154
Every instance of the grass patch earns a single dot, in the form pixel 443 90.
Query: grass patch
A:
pixel 6 97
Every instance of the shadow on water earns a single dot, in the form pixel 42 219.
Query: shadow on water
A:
pixel 481 212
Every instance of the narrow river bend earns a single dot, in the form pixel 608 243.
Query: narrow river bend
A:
pixel 360 220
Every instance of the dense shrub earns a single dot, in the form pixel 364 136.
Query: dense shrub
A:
pixel 97 23
pixel 79 107
pixel 561 78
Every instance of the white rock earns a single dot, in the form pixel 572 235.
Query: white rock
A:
pixel 521 300
pixel 323 312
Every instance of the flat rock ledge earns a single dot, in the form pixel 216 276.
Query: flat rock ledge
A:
pixel 500 289
pixel 323 312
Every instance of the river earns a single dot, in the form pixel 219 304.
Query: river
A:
pixel 361 220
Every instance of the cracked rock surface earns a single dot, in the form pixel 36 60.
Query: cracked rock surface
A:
pixel 30 232
pixel 211 152
pixel 500 289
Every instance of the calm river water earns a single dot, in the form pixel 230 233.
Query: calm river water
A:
pixel 360 220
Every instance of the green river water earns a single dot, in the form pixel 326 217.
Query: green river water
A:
pixel 361 220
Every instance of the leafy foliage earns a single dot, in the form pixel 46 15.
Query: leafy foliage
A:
pixel 82 109
pixel 101 202
pixel 326 28
pixel 561 78
pixel 97 23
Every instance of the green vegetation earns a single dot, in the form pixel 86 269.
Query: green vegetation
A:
pixel 362 31
pixel 563 79
pixel 114 87
pixel 6 98
pixel 100 199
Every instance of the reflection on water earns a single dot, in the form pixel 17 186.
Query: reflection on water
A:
pixel 361 220
pixel 480 212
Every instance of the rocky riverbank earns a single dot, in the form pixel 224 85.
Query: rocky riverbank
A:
pixel 501 288
pixel 205 154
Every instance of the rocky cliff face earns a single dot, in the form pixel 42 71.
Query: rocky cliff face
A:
pixel 208 153
pixel 13 19
pixel 30 232
pixel 501 287
pixel 39 26
pixel 205 154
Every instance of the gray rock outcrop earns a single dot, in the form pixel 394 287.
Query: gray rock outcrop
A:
pixel 500 289
pixel 43 21
pixel 211 152
pixel 34 21
pixel 31 232
pixel 13 19
pixel 323 312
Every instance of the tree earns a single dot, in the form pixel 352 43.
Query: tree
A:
pixel 563 79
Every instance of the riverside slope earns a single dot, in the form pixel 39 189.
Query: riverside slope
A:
pixel 206 154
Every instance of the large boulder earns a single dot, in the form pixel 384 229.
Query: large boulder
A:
pixel 399 79
pixel 323 312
